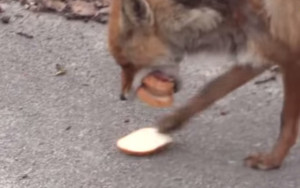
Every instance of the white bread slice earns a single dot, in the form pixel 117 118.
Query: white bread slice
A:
pixel 144 141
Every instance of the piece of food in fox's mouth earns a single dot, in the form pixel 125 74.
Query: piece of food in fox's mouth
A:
pixel 154 101
pixel 156 91
pixel 158 86
pixel 145 141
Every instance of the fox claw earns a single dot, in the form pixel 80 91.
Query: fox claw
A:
pixel 262 161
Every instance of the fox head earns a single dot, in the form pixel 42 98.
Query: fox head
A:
pixel 153 35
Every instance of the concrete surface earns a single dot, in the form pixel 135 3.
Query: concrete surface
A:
pixel 60 131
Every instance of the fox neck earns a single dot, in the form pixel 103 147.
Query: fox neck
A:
pixel 230 35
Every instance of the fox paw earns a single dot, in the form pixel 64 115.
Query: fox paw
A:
pixel 262 161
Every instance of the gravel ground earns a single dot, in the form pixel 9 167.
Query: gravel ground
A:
pixel 60 131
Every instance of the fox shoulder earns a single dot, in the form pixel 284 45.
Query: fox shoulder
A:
pixel 285 21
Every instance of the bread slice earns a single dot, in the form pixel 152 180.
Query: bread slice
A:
pixel 145 141
pixel 152 100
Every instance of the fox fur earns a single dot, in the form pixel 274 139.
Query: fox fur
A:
pixel 149 35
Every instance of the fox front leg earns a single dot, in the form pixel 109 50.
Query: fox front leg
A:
pixel 213 91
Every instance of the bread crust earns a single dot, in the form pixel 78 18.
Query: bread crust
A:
pixel 152 100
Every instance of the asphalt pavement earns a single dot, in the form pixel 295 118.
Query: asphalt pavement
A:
pixel 61 131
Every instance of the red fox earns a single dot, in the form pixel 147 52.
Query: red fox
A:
pixel 154 35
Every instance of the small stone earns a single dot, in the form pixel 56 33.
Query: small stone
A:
pixel 60 70
pixel 25 35
pixel 25 176
pixel 68 128
pixel 224 113
pixel 5 19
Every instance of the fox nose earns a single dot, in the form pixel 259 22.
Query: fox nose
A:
pixel 123 97
pixel 127 95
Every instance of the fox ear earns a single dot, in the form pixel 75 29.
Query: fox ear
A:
pixel 137 12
